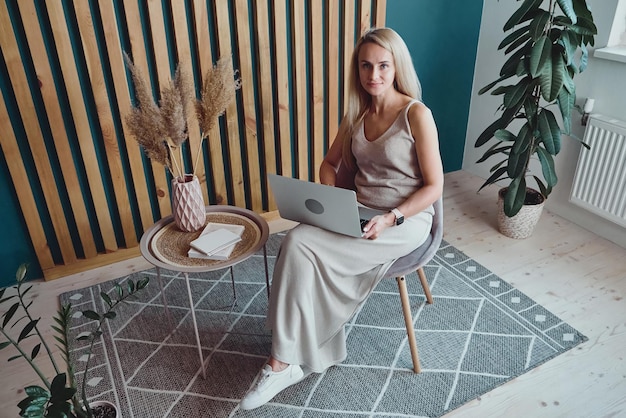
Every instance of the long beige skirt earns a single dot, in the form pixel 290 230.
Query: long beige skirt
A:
pixel 321 278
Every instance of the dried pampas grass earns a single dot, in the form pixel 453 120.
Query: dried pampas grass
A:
pixel 162 129
pixel 218 90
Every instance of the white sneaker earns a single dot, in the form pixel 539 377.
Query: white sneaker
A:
pixel 269 384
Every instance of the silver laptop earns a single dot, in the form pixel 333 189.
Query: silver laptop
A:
pixel 332 208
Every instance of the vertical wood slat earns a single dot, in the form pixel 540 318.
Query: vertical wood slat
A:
pixel 365 15
pixel 81 122
pixel 140 61
pixel 34 134
pixel 266 87
pixel 162 64
pixel 380 9
pixel 214 138
pixel 222 16
pixel 24 193
pixel 51 102
pixel 249 136
pixel 300 88
pixel 103 106
pixel 348 44
pixel 120 83
pixel 317 59
pixel 332 69
pixel 281 49
pixel 289 101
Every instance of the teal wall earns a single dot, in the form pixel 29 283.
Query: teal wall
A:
pixel 442 37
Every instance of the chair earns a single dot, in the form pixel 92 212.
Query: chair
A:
pixel 411 262
pixel 415 261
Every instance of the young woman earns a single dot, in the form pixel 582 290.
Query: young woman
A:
pixel 389 138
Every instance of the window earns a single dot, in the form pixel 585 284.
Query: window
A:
pixel 616 46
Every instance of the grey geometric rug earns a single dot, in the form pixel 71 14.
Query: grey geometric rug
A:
pixel 480 333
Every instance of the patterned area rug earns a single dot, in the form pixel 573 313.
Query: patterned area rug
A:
pixel 480 333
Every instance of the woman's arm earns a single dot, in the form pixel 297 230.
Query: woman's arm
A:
pixel 332 160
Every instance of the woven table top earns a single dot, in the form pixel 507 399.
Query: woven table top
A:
pixel 169 245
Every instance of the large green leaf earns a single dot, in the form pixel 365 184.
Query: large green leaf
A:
pixel 581 9
pixel 549 131
pixel 499 123
pixel 547 168
pixel 497 175
pixel 511 37
pixel 584 56
pixel 519 41
pixel 570 40
pixel 523 139
pixel 515 196
pixel 501 90
pixel 540 56
pixel 542 187
pixel 551 79
pixel 515 95
pixel 522 14
pixel 538 24
pixel 584 27
pixel 566 101
pixel 510 66
pixel 493 83
pixel 494 150
pixel 504 135
pixel 530 107
pixel 568 8
pixel 518 159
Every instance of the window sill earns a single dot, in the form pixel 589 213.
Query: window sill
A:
pixel 613 53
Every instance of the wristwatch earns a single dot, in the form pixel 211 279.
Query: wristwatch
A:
pixel 399 216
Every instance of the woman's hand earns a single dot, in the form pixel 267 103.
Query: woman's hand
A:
pixel 377 225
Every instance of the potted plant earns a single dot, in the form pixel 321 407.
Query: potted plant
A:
pixel 547 48
pixel 162 129
pixel 60 396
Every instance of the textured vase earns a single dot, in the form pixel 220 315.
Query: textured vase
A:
pixel 188 203
pixel 521 225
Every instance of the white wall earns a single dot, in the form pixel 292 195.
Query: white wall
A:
pixel 603 80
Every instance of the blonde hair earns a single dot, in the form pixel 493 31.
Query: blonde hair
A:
pixel 358 100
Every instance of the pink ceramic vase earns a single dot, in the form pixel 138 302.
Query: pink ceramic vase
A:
pixel 188 203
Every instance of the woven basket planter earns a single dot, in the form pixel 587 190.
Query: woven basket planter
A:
pixel 523 224
pixel 188 203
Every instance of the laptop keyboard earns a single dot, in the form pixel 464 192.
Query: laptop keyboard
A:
pixel 363 222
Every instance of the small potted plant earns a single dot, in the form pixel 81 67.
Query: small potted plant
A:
pixel 547 48
pixel 59 397
pixel 161 129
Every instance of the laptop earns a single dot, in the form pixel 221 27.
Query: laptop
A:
pixel 328 207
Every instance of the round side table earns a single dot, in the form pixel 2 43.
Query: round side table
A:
pixel 165 246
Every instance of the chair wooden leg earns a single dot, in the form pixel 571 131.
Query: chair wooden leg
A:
pixel 408 320
pixel 422 276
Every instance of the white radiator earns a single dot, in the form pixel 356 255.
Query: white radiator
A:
pixel 600 180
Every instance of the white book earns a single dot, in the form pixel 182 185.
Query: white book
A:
pixel 220 255
pixel 216 242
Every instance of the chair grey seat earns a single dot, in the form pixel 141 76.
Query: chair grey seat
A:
pixel 414 261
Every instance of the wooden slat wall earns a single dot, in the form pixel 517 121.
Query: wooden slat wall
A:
pixel 86 189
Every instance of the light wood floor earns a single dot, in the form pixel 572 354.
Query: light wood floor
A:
pixel 575 274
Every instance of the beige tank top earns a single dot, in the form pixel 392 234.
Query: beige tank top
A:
pixel 389 171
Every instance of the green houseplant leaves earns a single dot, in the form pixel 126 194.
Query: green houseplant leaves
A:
pixel 60 397
pixel 546 48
